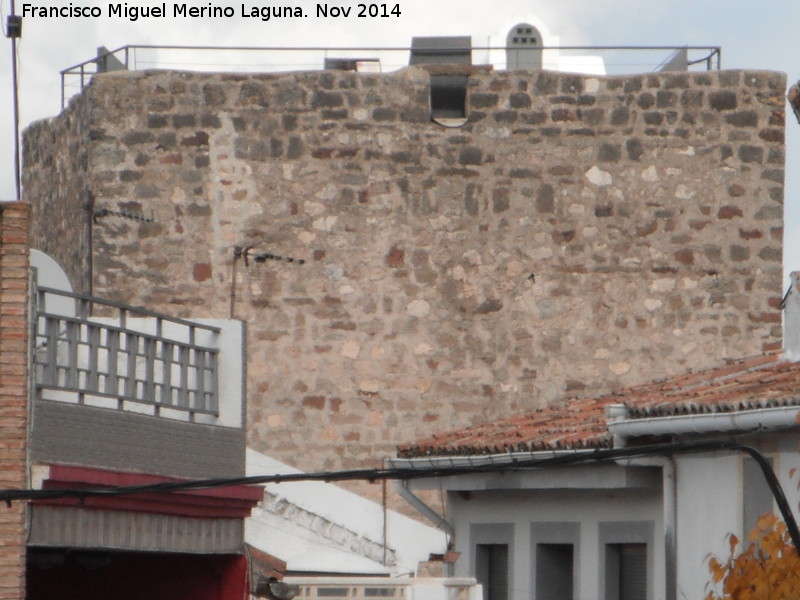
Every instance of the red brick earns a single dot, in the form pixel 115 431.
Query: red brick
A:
pixel 729 212
pixel 13 359
pixel 10 283
pixel 14 334
pixel 201 272
pixel 316 402
pixel 395 258
pixel 15 238
pixel 11 261
pixel 14 344
pixel 685 257
pixel 765 317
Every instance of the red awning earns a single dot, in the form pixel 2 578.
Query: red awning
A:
pixel 219 502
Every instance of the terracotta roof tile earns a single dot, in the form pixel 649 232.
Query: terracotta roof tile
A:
pixel 748 384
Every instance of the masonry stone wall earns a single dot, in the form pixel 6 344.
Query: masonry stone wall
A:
pixel 399 277
pixel 13 393
pixel 61 217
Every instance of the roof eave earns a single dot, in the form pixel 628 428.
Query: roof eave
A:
pixel 765 419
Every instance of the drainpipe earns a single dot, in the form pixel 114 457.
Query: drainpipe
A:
pixel 670 529
pixel 401 485
pixel 407 495
pixel 617 413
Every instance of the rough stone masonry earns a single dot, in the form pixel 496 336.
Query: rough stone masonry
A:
pixel 398 277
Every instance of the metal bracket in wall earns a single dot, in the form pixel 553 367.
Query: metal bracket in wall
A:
pixel 260 258
pixel 263 257
pixel 98 213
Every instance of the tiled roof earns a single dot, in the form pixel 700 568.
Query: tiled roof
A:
pixel 760 382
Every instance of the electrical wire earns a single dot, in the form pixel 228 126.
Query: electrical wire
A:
pixel 407 473
pixel 372 475
pixel 376 474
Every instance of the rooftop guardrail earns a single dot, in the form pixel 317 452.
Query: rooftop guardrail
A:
pixel 616 59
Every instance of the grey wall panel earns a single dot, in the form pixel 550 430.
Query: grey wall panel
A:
pixel 81 528
pixel 80 435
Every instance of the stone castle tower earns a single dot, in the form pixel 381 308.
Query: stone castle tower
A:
pixel 398 277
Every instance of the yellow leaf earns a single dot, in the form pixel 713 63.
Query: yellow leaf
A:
pixel 766 521
pixel 734 541
pixel 767 569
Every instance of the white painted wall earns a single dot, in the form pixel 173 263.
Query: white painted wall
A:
pixel 308 546
pixel 589 507
pixel 50 274
pixel 709 508
pixel 552 59
pixel 791 319
pixel 710 505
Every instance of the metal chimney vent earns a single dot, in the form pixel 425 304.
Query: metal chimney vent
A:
pixel 524 47
pixel 441 50
pixel 108 62
pixel 677 61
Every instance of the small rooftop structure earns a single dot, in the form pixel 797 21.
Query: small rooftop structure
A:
pixel 441 50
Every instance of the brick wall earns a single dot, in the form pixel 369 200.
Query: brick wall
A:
pixel 13 393
pixel 577 234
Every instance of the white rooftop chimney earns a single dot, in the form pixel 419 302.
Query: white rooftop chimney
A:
pixel 791 319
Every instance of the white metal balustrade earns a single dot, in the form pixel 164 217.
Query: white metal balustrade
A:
pixel 128 354
pixel 385 588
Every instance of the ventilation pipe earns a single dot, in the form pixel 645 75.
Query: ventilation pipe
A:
pixel 791 319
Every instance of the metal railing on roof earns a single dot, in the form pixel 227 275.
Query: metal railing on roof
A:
pixel 131 356
pixel 617 59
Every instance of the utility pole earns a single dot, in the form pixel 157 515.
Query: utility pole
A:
pixel 14 32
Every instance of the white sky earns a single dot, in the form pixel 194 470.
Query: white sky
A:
pixel 753 35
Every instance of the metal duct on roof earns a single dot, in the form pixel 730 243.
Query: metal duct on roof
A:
pixel 441 50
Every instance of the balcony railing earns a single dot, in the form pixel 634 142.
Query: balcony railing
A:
pixel 616 59
pixel 385 588
pixel 129 355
